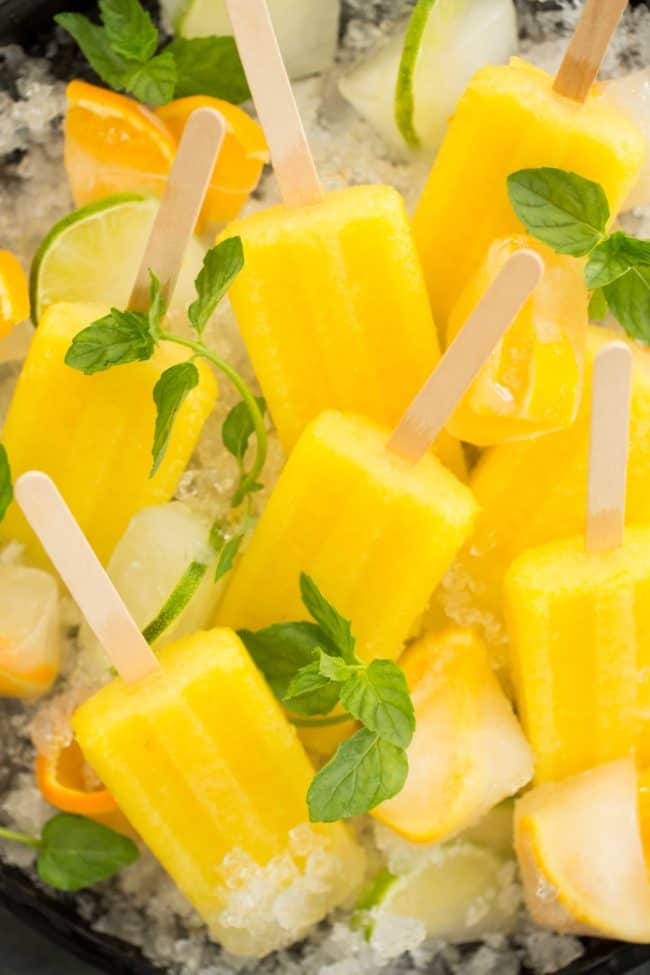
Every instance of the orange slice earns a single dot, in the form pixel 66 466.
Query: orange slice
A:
pixel 67 783
pixel 14 293
pixel 113 144
pixel 240 162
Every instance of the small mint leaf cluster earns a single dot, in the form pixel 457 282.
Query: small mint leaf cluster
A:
pixel 312 667
pixel 571 214
pixel 123 51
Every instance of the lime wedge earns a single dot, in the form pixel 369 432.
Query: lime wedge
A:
pixel 93 254
pixel 409 86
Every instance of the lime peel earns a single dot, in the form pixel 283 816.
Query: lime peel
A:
pixel 404 97
pixel 177 602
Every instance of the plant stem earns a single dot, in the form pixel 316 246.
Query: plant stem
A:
pixel 13 837
pixel 320 722
pixel 250 478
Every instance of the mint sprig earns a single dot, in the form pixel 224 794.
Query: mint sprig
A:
pixel 74 852
pixel 6 484
pixel 313 666
pixel 123 51
pixel 571 214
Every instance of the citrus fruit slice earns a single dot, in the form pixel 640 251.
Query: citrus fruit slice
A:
pixel 93 254
pixel 240 162
pixel 581 855
pixel 30 647
pixel 113 144
pixel 14 294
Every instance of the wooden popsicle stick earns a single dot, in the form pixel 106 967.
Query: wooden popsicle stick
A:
pixel 461 363
pixel 85 577
pixel 588 47
pixel 609 447
pixel 181 205
pixel 274 101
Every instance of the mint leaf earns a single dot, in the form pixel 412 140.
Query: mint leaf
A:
pixel 379 698
pixel 169 394
pixel 157 305
pixel 365 771
pixel 333 667
pixel 6 486
pixel 115 340
pixel 154 81
pixel 238 428
pixel 598 306
pixel 280 651
pixel 309 692
pixel 96 48
pixel 629 299
pixel 607 262
pixel 209 66
pixel 562 209
pixel 228 555
pixel 221 265
pixel 129 28
pixel 76 852
pixel 338 629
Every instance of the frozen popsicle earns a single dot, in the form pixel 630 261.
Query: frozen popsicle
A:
pixel 520 117
pixel 30 641
pixel 93 433
pixel 534 492
pixel 331 304
pixel 198 754
pixel 576 611
pixel 372 517
pixel 532 382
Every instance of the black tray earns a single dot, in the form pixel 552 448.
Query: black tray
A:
pixel 56 916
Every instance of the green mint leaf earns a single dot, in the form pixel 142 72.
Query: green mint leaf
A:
pixel 334 668
pixel 157 305
pixel 562 209
pixel 338 629
pixel 96 48
pixel 629 299
pixel 379 698
pixel 280 651
pixel 6 486
pixel 169 394
pixel 238 429
pixel 228 555
pixel 614 257
pixel 598 306
pixel 221 265
pixel 115 340
pixel 76 852
pixel 365 771
pixel 209 66
pixel 154 81
pixel 130 29
pixel 310 693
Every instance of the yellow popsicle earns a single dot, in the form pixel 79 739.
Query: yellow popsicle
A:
pixel 93 434
pixel 579 625
pixel 509 119
pixel 374 532
pixel 212 776
pixel 532 383
pixel 333 309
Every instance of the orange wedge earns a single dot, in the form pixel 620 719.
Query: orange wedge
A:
pixel 67 783
pixel 240 162
pixel 113 145
pixel 14 293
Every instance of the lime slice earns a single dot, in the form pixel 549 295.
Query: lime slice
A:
pixel 93 255
pixel 408 87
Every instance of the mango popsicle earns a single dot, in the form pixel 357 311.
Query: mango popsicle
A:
pixel 532 382
pixel 533 492
pixel 576 610
pixel 519 120
pixel 332 303
pixel 372 517
pixel 200 757
pixel 93 433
